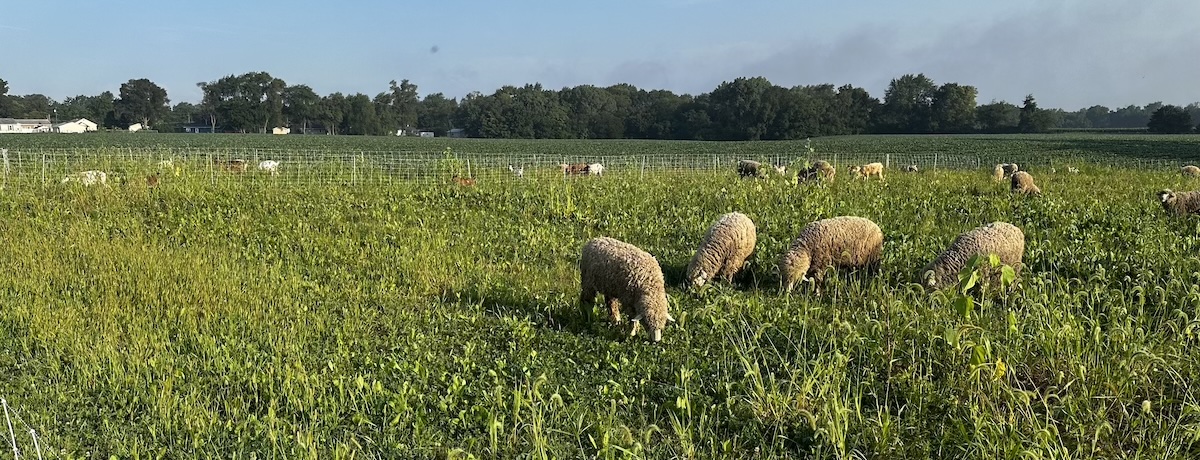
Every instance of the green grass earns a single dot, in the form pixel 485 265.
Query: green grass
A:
pixel 402 320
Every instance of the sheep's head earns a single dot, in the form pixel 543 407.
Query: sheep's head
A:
pixel 856 170
pixel 781 169
pixel 1166 196
pixel 652 312
pixel 792 267
pixel 695 279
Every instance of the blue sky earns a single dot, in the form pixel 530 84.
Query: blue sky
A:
pixel 1068 53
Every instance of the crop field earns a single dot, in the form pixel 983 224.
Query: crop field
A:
pixel 221 317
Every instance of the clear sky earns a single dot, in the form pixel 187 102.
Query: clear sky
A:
pixel 1068 53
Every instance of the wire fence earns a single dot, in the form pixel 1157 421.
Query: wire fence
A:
pixel 43 167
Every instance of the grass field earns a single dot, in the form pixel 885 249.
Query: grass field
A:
pixel 410 320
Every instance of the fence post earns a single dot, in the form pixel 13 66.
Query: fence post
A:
pixel 212 177
pixel 353 169
pixel 935 160
pixel 644 159
pixel 4 152
pixel 887 161
pixel 43 169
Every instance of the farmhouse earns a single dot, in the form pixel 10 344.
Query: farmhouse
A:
pixel 24 125
pixel 198 128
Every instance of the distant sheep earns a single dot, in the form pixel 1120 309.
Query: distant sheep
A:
pixel 464 181
pixel 1072 170
pixel 152 181
pixel 868 170
pixel 1190 171
pixel 236 165
pixel 750 168
pixel 1000 238
pixel 1181 203
pixel 270 166
pixel 88 178
pixel 722 254
pixel 840 242
pixel 518 171
pixel 573 169
pixel 594 169
pixel 820 170
pixel 627 277
pixel 1004 171
pixel 912 169
pixel 1022 182
pixel 780 169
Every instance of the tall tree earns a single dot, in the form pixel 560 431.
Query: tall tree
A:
pixel 953 108
pixel 997 117
pixel 142 101
pixel 5 105
pixel 1033 119
pixel 436 113
pixel 739 109
pixel 907 105
pixel 1170 119
pixel 300 105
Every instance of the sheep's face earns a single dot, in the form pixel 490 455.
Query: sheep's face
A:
pixel 696 279
pixel 929 279
pixel 654 317
pixel 792 268
pixel 1166 196
pixel 781 170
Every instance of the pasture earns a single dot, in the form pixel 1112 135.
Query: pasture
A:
pixel 416 319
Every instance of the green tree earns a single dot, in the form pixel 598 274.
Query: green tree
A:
pixel 331 111
pixel 953 109
pixel 436 113
pixel 1170 119
pixel 1032 119
pixel 142 101
pixel 907 105
pixel 5 105
pixel 740 110
pixel 300 105
pixel 360 117
pixel 997 117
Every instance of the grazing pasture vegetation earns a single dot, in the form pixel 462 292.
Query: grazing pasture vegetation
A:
pixel 417 320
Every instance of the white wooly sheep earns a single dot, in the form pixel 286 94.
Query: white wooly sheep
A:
pixel 1000 238
pixel 1004 171
pixel 1181 203
pixel 518 171
pixel 271 166
pixel 627 277
pixel 594 169
pixel 91 177
pixel 868 170
pixel 724 250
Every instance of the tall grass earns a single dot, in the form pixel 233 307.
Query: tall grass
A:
pixel 415 321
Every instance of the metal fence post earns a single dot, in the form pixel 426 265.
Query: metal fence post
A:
pixel 43 169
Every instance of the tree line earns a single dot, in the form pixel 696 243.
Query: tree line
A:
pixel 742 109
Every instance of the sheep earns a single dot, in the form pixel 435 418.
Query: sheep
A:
pixel 518 171
pixel 1004 171
pixel 627 277
pixel 781 169
pixel 1190 171
pixel 464 181
pixel 89 178
pixel 868 170
pixel 1022 182
pixel 1181 203
pixel 820 170
pixel 840 242
pixel 152 181
pixel 912 169
pixel 1000 238
pixel 236 165
pixel 1072 170
pixel 594 169
pixel 573 169
pixel 750 168
pixel 729 241
pixel 271 166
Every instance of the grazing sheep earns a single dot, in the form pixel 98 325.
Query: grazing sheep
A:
pixel 723 253
pixel 594 169
pixel 1022 182
pixel 1181 203
pixel 1072 170
pixel 820 170
pixel 89 178
pixel 236 165
pixel 781 169
pixel 518 171
pixel 270 166
pixel 573 169
pixel 840 242
pixel 1190 171
pixel 1004 171
pixel 152 181
pixel 912 169
pixel 751 168
pixel 868 170
pixel 1000 238
pixel 627 277
pixel 464 181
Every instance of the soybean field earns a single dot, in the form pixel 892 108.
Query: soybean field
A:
pixel 364 315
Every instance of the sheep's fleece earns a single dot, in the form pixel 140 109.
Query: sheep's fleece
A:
pixel 722 254
pixel 626 276
pixel 841 242
pixel 1180 202
pixel 1000 238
